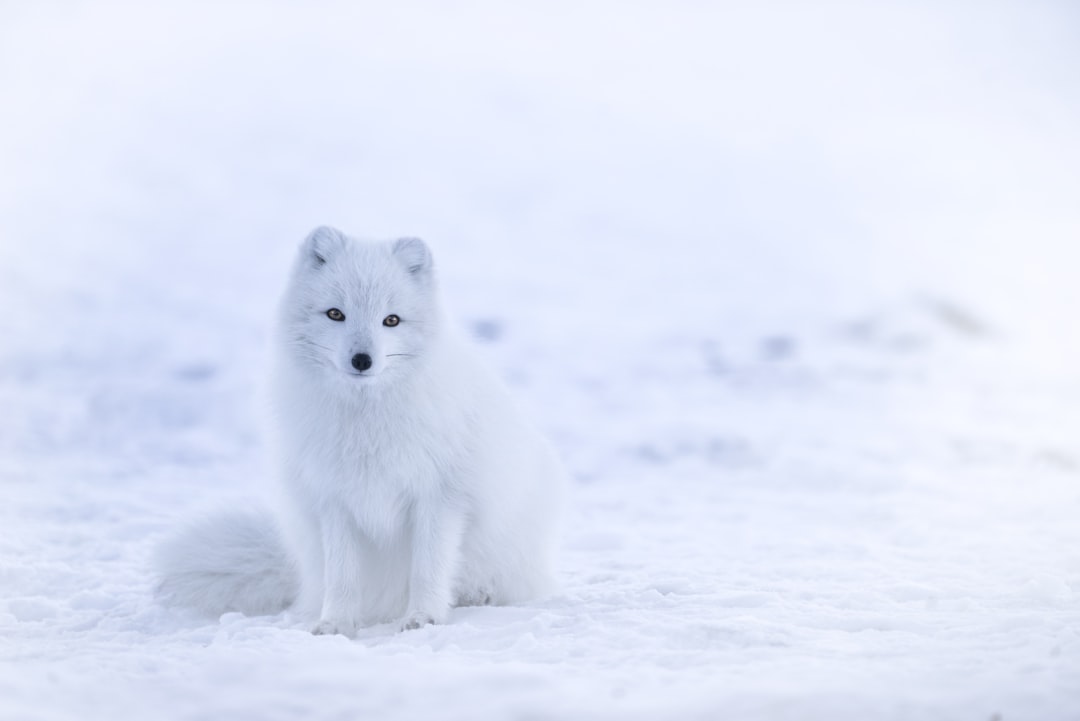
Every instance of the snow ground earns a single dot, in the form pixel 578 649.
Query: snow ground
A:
pixel 793 290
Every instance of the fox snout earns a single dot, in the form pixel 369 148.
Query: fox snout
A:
pixel 361 361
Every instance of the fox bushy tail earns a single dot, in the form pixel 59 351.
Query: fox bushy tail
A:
pixel 232 561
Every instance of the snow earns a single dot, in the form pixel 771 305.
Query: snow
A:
pixel 792 288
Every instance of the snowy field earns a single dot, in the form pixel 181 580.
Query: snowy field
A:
pixel 793 287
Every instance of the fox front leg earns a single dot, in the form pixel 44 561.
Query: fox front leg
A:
pixel 436 550
pixel 342 575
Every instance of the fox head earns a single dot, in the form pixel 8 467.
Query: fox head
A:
pixel 360 311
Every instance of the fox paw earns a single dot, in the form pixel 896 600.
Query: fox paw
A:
pixel 333 628
pixel 477 597
pixel 416 620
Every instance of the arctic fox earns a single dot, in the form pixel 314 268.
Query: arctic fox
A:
pixel 411 483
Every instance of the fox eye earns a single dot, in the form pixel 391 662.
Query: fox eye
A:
pixel 335 314
pixel 391 320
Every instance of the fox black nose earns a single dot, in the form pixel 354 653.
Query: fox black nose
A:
pixel 361 361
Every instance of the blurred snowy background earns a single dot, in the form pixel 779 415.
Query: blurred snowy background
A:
pixel 792 286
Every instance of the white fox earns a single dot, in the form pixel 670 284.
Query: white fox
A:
pixel 411 482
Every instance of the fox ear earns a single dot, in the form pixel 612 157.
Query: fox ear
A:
pixel 322 243
pixel 414 254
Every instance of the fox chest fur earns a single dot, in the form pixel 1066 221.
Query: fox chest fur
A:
pixel 377 455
